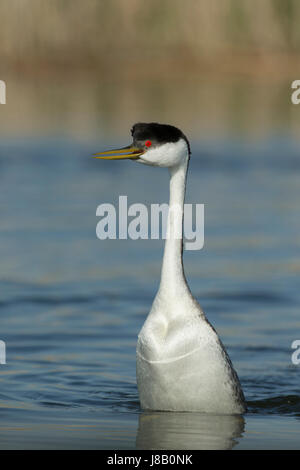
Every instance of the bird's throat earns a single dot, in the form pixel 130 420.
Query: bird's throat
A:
pixel 173 281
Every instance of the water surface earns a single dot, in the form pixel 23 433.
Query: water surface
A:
pixel 71 306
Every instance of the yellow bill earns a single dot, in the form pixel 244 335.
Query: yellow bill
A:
pixel 120 154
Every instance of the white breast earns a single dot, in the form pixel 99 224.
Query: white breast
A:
pixel 182 365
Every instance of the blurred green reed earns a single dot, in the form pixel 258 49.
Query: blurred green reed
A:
pixel 62 31
pixel 93 67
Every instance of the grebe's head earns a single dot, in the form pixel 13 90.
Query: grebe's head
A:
pixel 153 144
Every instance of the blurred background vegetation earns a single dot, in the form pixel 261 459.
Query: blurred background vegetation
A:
pixel 95 66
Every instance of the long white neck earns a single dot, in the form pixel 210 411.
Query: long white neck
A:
pixel 173 282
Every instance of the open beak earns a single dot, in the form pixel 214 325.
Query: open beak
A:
pixel 130 152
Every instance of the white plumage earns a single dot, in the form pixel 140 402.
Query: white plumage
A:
pixel 181 362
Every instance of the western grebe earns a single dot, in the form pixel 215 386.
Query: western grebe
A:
pixel 181 363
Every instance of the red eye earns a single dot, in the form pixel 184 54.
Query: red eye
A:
pixel 148 143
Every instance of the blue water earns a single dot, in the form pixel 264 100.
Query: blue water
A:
pixel 71 305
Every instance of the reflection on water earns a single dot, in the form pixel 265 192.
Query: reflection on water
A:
pixel 159 430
